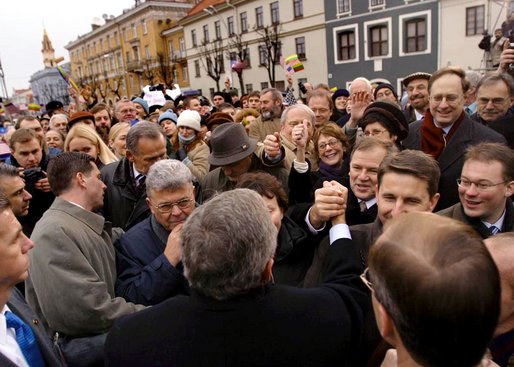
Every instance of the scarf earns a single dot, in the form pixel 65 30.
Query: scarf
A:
pixel 184 141
pixel 432 139
pixel 332 172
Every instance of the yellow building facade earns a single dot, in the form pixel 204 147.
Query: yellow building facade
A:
pixel 125 53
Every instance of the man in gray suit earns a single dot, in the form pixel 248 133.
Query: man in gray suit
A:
pixel 15 314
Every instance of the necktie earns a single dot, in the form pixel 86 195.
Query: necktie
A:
pixel 26 340
pixel 140 180
pixel 494 230
pixel 363 206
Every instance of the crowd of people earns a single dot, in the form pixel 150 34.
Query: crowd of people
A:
pixel 268 229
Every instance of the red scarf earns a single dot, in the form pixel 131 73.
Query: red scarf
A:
pixel 432 137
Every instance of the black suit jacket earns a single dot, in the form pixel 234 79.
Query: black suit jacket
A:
pixel 451 159
pixel 50 353
pixel 269 326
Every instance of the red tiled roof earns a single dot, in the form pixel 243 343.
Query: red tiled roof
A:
pixel 198 8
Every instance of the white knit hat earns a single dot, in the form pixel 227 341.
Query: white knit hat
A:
pixel 189 118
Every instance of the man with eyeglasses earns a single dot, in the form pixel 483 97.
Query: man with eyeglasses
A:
pixel 125 111
pixel 446 131
pixel 485 186
pixel 495 94
pixel 148 257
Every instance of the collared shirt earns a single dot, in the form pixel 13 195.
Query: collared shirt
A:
pixel 498 224
pixel 8 345
pixel 419 116
pixel 135 171
pixel 369 203
pixel 471 109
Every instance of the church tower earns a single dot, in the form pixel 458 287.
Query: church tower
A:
pixel 48 51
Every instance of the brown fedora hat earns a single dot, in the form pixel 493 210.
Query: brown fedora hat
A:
pixel 230 144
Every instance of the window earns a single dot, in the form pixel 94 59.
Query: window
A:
pixel 206 33
pixel 263 55
pixel 221 64
pixel 264 85
pixel 171 48
pixel 300 47
pixel 119 61
pixel 249 88
pixel 182 45
pixel 135 50
pixel 343 6
pixel 111 61
pixel 127 56
pixel 415 39
pixel 298 8
pixel 115 38
pixel 259 17
pixel 346 43
pixel 275 16
pixel 378 36
pixel 185 74
pixel 193 37
pixel 108 38
pixel 475 17
pixel 197 68
pixel 230 26
pixel 143 25
pixel 244 22
pixel 134 31
pixel 375 3
pixel 217 29
pixel 232 57
pixel 147 52
pixel 247 57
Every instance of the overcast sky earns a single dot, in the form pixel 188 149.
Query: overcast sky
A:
pixel 21 31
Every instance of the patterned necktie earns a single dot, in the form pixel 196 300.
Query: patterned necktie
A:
pixel 26 340
pixel 363 206
pixel 140 180
pixel 494 230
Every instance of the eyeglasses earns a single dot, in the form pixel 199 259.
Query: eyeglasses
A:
pixel 374 132
pixel 168 207
pixel 481 186
pixel 332 143
pixel 450 98
pixel 494 101
pixel 366 281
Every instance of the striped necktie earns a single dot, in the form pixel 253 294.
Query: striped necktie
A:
pixel 494 230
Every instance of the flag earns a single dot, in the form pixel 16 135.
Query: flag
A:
pixel 67 78
pixel 293 64
pixel 11 108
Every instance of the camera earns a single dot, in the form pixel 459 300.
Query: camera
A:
pixel 32 176
pixel 302 88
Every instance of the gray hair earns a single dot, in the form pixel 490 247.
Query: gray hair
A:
pixel 494 78
pixel 226 244
pixel 168 174
pixel 143 129
pixel 58 116
pixel 361 79
pixel 4 202
pixel 302 107
pixel 473 77
pixel 7 170
pixel 276 94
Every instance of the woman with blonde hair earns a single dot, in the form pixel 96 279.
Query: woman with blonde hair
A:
pixel 84 139
pixel 118 139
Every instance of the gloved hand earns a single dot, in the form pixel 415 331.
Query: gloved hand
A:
pixel 181 153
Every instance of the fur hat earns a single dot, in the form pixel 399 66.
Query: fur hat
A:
pixel 387 114
pixel 229 144
pixel 218 118
pixel 189 118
